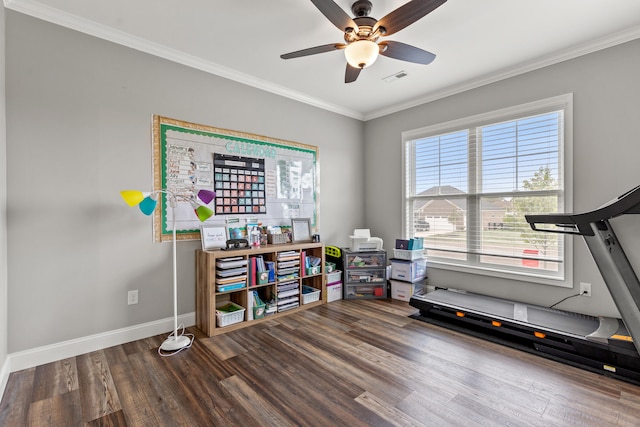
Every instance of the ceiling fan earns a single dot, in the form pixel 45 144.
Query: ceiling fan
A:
pixel 362 34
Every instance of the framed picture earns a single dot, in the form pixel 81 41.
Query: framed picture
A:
pixel 213 237
pixel 301 230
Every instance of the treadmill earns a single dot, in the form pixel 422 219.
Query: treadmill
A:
pixel 600 344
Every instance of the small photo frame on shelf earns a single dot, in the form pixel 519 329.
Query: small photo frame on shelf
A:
pixel 301 230
pixel 213 237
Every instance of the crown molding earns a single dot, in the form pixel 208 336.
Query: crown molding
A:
pixel 58 17
pixel 561 56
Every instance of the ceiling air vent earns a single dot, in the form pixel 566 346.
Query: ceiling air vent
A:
pixel 396 76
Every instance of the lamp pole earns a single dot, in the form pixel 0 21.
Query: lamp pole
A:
pixel 174 341
pixel 147 205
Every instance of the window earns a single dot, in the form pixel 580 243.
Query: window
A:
pixel 469 184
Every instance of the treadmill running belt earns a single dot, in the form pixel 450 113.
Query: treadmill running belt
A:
pixel 545 318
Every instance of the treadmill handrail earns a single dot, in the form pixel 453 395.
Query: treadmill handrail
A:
pixel 628 203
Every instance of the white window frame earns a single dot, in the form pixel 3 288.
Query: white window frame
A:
pixel 562 102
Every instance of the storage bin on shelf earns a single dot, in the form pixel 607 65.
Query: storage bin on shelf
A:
pixel 329 267
pixel 334 277
pixel 316 269
pixel 259 311
pixel 228 313
pixel 276 239
pixel 408 255
pixel 334 291
pixel 310 294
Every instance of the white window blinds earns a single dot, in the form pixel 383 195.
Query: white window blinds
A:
pixel 469 188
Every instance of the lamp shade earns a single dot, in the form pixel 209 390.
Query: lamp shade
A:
pixel 132 197
pixel 361 53
pixel 148 205
pixel 206 196
pixel 203 213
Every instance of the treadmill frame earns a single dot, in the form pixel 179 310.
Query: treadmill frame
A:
pixel 607 252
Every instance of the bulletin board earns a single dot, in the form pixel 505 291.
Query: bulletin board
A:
pixel 255 177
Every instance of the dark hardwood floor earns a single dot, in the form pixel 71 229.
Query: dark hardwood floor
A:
pixel 347 363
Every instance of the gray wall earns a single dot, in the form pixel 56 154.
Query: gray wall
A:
pixel 79 131
pixel 606 88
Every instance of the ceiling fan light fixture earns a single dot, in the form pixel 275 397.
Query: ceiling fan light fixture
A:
pixel 361 53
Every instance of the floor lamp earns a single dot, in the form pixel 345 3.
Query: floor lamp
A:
pixel 147 203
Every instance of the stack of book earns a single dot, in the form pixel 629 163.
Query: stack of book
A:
pixel 288 265
pixel 272 306
pixel 288 295
pixel 231 274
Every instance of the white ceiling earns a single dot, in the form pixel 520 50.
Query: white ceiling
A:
pixel 476 42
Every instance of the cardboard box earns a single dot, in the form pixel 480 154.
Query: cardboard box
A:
pixel 409 271
pixel 404 290
pixel 334 292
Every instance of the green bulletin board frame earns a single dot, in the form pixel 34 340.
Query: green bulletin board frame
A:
pixel 199 143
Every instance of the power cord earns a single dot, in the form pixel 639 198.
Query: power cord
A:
pixel 570 296
pixel 171 353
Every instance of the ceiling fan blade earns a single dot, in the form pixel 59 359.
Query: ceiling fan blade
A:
pixel 335 14
pixel 313 50
pixel 405 52
pixel 351 74
pixel 406 15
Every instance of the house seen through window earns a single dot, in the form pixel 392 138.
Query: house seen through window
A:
pixel 470 183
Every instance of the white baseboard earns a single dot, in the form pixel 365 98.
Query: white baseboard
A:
pixel 53 352
pixel 4 376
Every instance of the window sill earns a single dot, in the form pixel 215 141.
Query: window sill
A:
pixel 532 277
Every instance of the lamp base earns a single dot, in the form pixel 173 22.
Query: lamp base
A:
pixel 175 343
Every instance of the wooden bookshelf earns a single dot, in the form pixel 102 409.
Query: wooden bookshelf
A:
pixel 219 278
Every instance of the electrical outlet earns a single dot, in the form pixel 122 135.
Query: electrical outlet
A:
pixel 585 289
pixel 132 297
